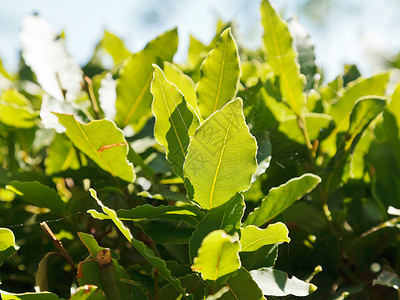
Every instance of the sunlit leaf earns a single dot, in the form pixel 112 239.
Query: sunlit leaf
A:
pixel 62 156
pixel 140 246
pixel 281 197
pixel 281 56
pixel 108 96
pixel 37 194
pixel 56 71
pixel 316 123
pixel 114 46
pixel 29 296
pixel 220 73
pixel 133 85
pixel 221 157
pixel 7 244
pixel 16 110
pixel 183 82
pixel 277 283
pixel 226 217
pixel 252 238
pixel 102 142
pixel 218 255
pixel 176 121
pixel 304 46
pixel 242 286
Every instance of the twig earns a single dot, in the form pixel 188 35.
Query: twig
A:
pixel 92 97
pixel 58 244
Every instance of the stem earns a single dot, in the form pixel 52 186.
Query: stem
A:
pixel 301 121
pixel 156 285
pixel 108 274
pixel 92 97
pixel 388 223
pixel 58 244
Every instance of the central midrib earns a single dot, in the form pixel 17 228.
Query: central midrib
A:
pixel 219 161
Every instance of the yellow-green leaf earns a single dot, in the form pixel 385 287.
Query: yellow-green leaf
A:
pixel 253 238
pixel 282 57
pixel 133 85
pixel 281 197
pixel 218 255
pixel 176 121
pixel 102 142
pixel 183 82
pixel 221 157
pixel 220 73
pixel 147 253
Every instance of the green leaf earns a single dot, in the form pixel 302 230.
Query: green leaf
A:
pixel 281 56
pixel 197 50
pixel 183 82
pixel 282 197
pixel 242 286
pixel 315 124
pixel 341 110
pixel 364 112
pixel 55 70
pixel 133 94
pixel 102 142
pixel 189 213
pixel 16 110
pixel 7 244
pixel 252 238
pixel 304 46
pixel 164 224
pixel 114 46
pixel 221 157
pixel 276 283
pixel 41 277
pixel 192 283
pixel 220 73
pixel 28 296
pixel 175 122
pixel 226 217
pixel 62 156
pixel 140 246
pixel 218 255
pixel 263 257
pixel 90 274
pixel 37 194
pixel 108 278
pixel 90 243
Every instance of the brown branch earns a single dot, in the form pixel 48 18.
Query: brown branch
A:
pixel 58 245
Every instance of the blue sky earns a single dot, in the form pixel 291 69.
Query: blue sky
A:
pixel 343 31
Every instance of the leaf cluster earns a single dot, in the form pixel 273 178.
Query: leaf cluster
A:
pixel 236 175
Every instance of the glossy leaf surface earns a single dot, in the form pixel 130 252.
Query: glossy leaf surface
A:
pixel 218 255
pixel 226 217
pixel 253 238
pixel 221 157
pixel 133 86
pixel 220 73
pixel 37 194
pixel 140 246
pixel 282 57
pixel 176 121
pixel 7 244
pixel 281 197
pixel 277 283
pixel 102 142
